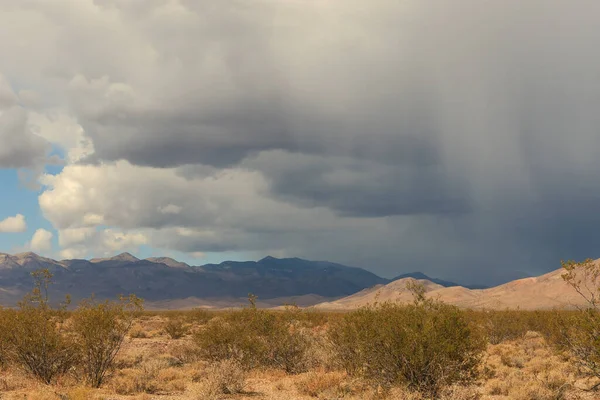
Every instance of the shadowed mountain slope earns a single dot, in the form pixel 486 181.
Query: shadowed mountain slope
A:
pixel 161 280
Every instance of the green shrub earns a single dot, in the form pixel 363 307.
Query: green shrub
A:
pixel 34 335
pixel 176 328
pixel 256 338
pixel 199 316
pixel 99 330
pixel 426 346
pixel 501 326
pixel 578 333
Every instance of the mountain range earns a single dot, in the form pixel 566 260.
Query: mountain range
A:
pixel 166 283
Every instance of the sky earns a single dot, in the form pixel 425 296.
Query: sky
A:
pixel 458 138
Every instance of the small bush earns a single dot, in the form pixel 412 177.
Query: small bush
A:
pixel 427 345
pixel 316 384
pixel 256 338
pixel 176 328
pixel 199 316
pixel 100 329
pixel 137 332
pixel 223 377
pixel 506 325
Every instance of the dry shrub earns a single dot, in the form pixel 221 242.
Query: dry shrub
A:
pixel 143 379
pixel 129 382
pixel 223 377
pixel 128 360
pixel 539 374
pixel 199 316
pixel 318 383
pixel 458 392
pixel 138 332
pixel 185 352
pixel 426 346
pixel 513 360
pixel 12 381
pixel 79 393
pixel 321 353
pixel 506 325
pixel 100 329
pixel 176 328
pixel 454 392
pixel 256 338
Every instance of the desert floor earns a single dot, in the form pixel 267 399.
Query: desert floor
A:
pixel 151 365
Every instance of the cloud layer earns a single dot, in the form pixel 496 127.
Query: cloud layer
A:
pixel 454 138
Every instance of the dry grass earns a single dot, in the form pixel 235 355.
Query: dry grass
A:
pixel 153 366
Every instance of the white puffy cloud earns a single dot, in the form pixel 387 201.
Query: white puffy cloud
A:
pixel 75 236
pixel 98 242
pixel 41 241
pixel 56 126
pixel 13 224
pixel 227 211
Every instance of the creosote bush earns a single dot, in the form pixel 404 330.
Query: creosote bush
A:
pixel 426 346
pixel 255 338
pixel 100 329
pixel 578 334
pixel 505 325
pixel 223 377
pixel 34 334
pixel 176 328
pixel 48 342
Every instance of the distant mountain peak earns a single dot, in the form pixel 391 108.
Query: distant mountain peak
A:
pixel 268 258
pixel 27 254
pixel 125 257
pixel 168 261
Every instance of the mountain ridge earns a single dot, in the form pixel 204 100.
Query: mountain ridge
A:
pixel 546 291
pixel 167 283
pixel 163 279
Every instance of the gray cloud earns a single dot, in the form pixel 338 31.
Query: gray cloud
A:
pixel 19 147
pixel 451 137
pixel 365 188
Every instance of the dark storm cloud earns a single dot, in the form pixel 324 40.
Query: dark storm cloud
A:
pixel 473 126
pixel 355 187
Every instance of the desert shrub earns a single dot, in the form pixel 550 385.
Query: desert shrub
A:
pixel 100 329
pixel 223 377
pixel 426 345
pixel 138 332
pixel 506 325
pixel 34 335
pixel 199 316
pixel 578 334
pixel 318 383
pixel 184 352
pixel 256 338
pixel 176 328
